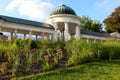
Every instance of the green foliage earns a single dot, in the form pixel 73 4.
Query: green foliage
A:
pixel 73 60
pixel 49 54
pixel 47 66
pixel 59 45
pixel 13 48
pixel 90 25
pixel 46 58
pixel 2 50
pixel 44 47
pixel 112 23
pixel 110 50
pixel 38 57
pixel 16 64
pixel 80 51
pixel 55 60
pixel 29 61
pixel 96 49
pixel 10 57
pixel 26 44
pixel 59 54
pixel 4 68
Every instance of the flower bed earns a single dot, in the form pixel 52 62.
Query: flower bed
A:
pixel 26 57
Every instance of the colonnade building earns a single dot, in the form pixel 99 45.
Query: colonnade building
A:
pixel 62 24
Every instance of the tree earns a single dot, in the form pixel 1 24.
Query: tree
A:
pixel 112 23
pixel 90 25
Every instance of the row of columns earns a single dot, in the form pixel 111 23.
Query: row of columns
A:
pixel 77 32
pixel 66 36
pixel 13 35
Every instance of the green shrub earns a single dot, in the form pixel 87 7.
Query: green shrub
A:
pixel 110 50
pixel 80 51
pixel 4 68
pixel 59 54
pixel 73 60
pixel 35 44
pixel 29 61
pixel 55 60
pixel 49 53
pixel 58 45
pixel 38 57
pixel 96 49
pixel 47 66
pixel 10 57
pixel 3 50
pixel 15 64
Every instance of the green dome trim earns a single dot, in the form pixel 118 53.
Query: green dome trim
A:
pixel 63 9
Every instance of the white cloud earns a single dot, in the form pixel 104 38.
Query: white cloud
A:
pixel 36 9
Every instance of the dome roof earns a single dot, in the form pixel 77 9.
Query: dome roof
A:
pixel 63 9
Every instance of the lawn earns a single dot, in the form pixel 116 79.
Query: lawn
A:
pixel 105 70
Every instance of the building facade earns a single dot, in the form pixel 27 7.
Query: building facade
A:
pixel 62 24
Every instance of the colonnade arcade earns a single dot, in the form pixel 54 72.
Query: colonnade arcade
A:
pixel 26 31
pixel 67 31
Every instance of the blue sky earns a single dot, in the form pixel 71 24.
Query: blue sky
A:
pixel 38 10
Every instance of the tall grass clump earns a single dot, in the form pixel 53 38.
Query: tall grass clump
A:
pixel 2 51
pixel 79 52
pixel 110 50
pixel 96 49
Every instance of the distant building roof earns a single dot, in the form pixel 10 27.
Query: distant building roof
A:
pixel 26 22
pixel 95 33
pixel 115 34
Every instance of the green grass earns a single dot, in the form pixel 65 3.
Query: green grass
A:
pixel 107 70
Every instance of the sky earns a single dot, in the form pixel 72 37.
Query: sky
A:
pixel 39 10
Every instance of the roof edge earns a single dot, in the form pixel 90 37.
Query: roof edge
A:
pixel 26 22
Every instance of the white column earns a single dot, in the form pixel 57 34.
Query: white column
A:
pixel 52 37
pixel 11 36
pixel 94 39
pixel 15 34
pixel 66 31
pixel 62 34
pixel 69 36
pixel 36 36
pixel 24 36
pixel 55 37
pixel 56 26
pixel 77 32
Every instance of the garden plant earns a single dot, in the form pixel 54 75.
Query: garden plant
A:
pixel 26 57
